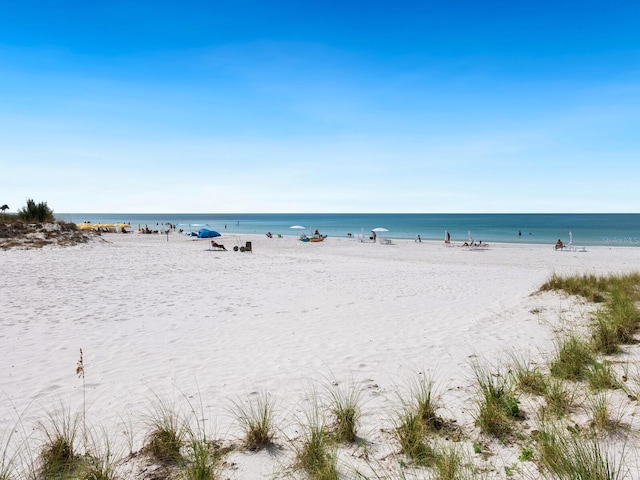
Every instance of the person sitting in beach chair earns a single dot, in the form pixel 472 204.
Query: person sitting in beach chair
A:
pixel 269 235
pixel 217 246
pixel 559 245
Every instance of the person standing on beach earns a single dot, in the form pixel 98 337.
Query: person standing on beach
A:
pixel 374 236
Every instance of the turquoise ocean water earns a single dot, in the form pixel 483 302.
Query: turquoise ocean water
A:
pixel 587 229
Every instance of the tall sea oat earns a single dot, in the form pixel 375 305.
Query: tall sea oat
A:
pixel 80 374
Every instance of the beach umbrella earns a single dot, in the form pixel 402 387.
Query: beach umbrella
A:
pixel 379 229
pixel 297 227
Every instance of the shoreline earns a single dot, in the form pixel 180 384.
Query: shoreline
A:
pixel 588 229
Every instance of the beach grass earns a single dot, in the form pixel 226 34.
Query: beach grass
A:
pixel 203 461
pixel 345 406
pixel 497 402
pixel 601 376
pixel 574 356
pixel 256 420
pixel 411 433
pixel 167 431
pixel 99 461
pixel 451 463
pixel 316 453
pixel 559 398
pixel 564 455
pixel 527 377
pixel 58 456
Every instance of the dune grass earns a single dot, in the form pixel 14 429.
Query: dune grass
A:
pixel 417 418
pixel 619 318
pixel 569 456
pixel 203 461
pixel 574 356
pixel 451 463
pixel 316 453
pixel 528 378
pixel 100 461
pixel 559 398
pixel 592 287
pixel 256 419
pixel 411 433
pixel 497 402
pixel 167 432
pixel 58 456
pixel 600 376
pixel 345 406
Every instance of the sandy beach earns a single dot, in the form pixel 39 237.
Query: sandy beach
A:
pixel 165 316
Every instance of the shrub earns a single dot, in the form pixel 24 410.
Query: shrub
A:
pixel 39 212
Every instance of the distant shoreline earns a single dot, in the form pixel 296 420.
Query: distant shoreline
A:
pixel 587 229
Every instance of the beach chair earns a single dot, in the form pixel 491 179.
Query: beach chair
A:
pixel 384 241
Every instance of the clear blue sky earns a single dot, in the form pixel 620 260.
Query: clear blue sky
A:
pixel 351 106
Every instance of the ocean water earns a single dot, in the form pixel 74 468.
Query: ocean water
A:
pixel 587 229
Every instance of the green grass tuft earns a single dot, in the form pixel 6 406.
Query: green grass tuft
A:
pixel 256 420
pixel 58 457
pixel 344 405
pixel 167 433
pixel 573 357
pixel 498 404
pixel 570 456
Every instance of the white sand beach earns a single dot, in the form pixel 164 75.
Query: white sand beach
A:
pixel 166 317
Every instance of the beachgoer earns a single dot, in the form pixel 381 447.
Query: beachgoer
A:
pixel 418 239
pixel 269 235
pixel 559 245
pixel 214 244
pixel 374 236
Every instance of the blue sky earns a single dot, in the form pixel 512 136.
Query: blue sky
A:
pixel 281 106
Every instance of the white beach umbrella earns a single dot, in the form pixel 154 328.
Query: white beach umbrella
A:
pixel 297 227
pixel 379 229
pixel 470 237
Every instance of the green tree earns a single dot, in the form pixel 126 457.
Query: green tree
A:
pixel 36 212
